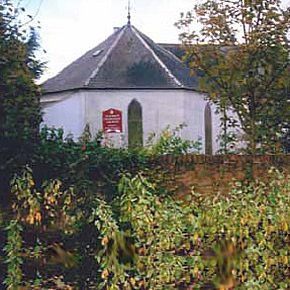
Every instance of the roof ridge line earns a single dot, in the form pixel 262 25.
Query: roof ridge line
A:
pixel 160 62
pixel 105 57
pixel 170 53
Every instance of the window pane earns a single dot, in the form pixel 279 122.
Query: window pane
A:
pixel 135 126
pixel 208 130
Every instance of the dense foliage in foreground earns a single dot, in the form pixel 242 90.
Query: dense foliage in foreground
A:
pixel 144 240
pixel 88 164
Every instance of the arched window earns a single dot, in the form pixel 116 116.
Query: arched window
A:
pixel 208 129
pixel 135 126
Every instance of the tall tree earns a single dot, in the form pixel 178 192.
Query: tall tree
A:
pixel 241 50
pixel 20 114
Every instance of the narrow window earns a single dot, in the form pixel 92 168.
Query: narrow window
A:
pixel 208 130
pixel 135 126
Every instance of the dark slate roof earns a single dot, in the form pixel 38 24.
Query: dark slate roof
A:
pixel 175 48
pixel 128 59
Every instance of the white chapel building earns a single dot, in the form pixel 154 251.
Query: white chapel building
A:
pixel 130 87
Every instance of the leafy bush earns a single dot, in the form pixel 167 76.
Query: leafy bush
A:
pixel 171 143
pixel 146 240
pixel 239 241
pixel 90 166
pixel 87 164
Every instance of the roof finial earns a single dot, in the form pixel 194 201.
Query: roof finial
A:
pixel 129 13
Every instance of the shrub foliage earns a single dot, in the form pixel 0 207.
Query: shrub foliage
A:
pixel 143 239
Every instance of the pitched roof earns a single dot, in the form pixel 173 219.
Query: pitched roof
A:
pixel 127 59
pixel 175 48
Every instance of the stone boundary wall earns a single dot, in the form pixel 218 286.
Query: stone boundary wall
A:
pixel 213 174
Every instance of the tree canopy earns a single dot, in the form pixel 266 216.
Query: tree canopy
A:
pixel 19 95
pixel 241 50
pixel 20 113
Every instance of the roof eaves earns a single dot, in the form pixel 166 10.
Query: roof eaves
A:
pixel 159 61
pixel 46 98
pixel 105 57
pixel 77 89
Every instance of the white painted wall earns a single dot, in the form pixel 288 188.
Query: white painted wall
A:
pixel 194 108
pixel 160 108
pixel 65 111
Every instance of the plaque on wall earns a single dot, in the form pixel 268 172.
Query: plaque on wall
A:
pixel 112 121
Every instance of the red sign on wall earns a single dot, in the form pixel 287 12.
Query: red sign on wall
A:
pixel 112 121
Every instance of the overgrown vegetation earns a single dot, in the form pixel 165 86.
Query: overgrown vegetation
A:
pixel 144 239
pixel 170 142
pixel 20 113
pixel 87 216
pixel 89 165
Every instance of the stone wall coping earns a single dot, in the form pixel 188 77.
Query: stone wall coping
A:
pixel 224 159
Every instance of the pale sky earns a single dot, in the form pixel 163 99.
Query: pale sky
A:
pixel 69 28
